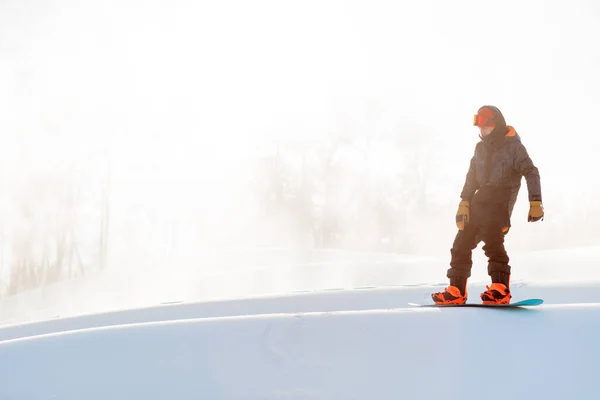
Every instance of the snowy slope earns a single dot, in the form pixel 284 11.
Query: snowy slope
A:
pixel 272 272
pixel 549 352
pixel 318 301
pixel 320 344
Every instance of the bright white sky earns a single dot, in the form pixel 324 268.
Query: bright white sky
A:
pixel 170 86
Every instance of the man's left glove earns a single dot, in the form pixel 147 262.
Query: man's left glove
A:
pixel 536 211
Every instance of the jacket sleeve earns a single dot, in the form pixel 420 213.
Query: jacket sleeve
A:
pixel 525 167
pixel 471 185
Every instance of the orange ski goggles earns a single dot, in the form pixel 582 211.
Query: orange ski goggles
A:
pixel 485 117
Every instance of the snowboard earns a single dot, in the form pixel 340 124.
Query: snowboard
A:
pixel 521 303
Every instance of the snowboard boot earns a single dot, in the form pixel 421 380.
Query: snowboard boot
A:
pixel 497 293
pixel 450 295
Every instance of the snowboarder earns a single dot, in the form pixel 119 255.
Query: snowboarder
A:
pixel 487 200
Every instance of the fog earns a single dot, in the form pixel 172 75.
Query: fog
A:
pixel 140 135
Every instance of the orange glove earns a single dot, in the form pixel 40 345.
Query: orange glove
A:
pixel 536 211
pixel 462 215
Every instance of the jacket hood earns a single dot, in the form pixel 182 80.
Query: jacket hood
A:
pixel 512 134
pixel 500 137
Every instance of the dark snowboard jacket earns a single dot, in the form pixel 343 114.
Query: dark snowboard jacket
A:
pixel 495 173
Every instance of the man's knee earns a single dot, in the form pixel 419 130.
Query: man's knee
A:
pixel 494 249
pixel 471 236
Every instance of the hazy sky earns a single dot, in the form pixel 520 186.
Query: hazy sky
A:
pixel 167 87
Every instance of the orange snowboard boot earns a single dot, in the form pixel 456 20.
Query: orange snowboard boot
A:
pixel 497 293
pixel 451 295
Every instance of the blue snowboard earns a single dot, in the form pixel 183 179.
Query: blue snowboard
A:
pixel 522 303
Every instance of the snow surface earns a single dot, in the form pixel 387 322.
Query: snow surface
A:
pixel 362 343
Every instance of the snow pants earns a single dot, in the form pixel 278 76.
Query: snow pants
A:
pixel 489 224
